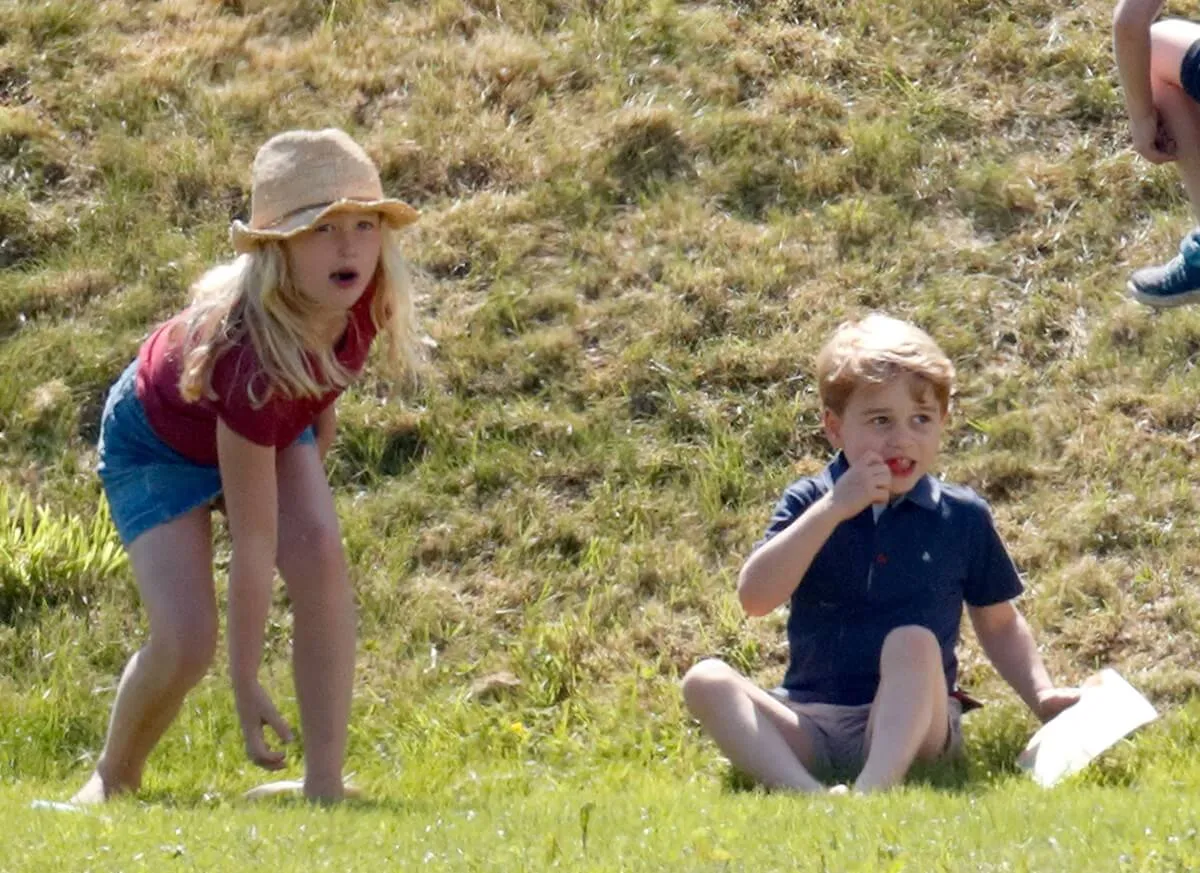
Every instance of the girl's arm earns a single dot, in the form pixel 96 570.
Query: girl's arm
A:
pixel 249 485
pixel 326 429
pixel 1008 643
pixel 1131 46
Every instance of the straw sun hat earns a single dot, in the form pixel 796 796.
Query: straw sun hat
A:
pixel 301 176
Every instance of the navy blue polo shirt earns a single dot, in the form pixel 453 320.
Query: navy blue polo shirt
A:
pixel 926 554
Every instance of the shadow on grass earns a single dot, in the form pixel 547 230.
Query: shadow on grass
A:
pixel 190 799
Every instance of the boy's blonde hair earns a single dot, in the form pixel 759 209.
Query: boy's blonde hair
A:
pixel 253 297
pixel 874 350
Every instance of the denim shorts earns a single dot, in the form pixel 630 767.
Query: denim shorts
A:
pixel 146 481
pixel 1189 71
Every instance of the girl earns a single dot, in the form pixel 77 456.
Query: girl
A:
pixel 1159 67
pixel 233 399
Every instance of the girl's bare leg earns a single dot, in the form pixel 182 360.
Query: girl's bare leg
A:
pixel 172 564
pixel 313 564
pixel 1169 42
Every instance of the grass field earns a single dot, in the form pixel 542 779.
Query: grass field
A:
pixel 639 221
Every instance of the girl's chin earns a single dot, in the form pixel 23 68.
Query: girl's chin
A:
pixel 342 297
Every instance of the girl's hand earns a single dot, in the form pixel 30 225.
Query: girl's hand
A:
pixel 255 710
pixel 1053 701
pixel 1151 139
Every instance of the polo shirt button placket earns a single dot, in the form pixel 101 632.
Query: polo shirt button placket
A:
pixel 880 560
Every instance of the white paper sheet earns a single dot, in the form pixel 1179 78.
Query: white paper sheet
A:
pixel 1109 708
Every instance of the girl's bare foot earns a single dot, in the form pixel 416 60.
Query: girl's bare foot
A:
pixel 95 790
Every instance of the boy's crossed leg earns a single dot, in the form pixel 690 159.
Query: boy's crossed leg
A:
pixel 761 736
pixel 779 743
pixel 909 718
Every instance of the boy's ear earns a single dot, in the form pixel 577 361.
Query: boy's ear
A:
pixel 833 427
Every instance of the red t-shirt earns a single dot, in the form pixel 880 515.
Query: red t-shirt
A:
pixel 191 428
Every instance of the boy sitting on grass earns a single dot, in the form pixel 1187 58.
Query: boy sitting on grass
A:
pixel 877 557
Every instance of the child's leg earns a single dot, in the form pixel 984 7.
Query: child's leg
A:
pixel 313 565
pixel 1175 81
pixel 760 735
pixel 172 564
pixel 1170 41
pixel 908 719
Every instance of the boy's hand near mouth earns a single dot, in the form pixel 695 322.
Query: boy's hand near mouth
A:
pixel 866 482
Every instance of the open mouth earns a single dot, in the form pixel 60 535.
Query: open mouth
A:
pixel 344 278
pixel 900 466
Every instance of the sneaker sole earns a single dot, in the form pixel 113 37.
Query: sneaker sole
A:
pixel 1153 300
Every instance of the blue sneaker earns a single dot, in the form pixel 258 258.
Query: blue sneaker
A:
pixel 1174 283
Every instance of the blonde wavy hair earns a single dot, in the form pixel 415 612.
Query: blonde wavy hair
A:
pixel 254 298
pixel 875 350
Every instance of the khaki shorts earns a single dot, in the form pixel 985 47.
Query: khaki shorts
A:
pixel 839 733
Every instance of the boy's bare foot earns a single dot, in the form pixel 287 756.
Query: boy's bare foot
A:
pixel 871 788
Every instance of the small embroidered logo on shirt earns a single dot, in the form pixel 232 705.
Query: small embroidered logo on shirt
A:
pixel 925 557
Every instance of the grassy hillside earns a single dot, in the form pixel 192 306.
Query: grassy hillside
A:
pixel 639 220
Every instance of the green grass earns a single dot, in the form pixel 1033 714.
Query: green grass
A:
pixel 643 822
pixel 457 790
pixel 576 811
pixel 639 220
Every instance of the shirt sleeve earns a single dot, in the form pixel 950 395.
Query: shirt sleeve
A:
pixel 992 577
pixel 798 497
pixel 236 376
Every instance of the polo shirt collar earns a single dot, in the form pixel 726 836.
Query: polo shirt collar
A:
pixel 927 493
